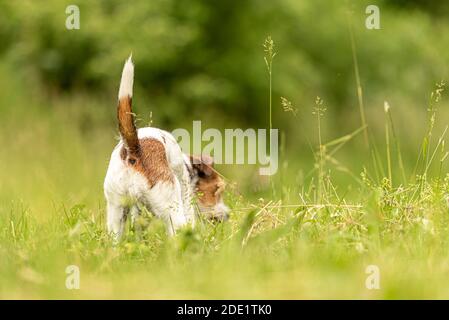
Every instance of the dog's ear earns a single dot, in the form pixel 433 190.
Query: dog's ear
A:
pixel 204 164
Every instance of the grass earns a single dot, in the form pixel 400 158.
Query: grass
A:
pixel 266 251
pixel 317 242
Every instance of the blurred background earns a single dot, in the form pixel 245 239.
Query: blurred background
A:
pixel 203 60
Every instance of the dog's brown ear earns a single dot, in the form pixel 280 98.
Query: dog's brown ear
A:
pixel 203 164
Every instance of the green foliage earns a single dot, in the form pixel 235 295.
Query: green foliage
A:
pixel 196 55
pixel 338 204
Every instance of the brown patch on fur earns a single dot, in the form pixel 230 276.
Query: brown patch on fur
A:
pixel 126 125
pixel 210 186
pixel 123 153
pixel 151 161
pixel 210 191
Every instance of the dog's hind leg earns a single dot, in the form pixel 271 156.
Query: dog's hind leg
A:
pixel 177 164
pixel 116 219
pixel 186 192
pixel 166 203
pixel 135 212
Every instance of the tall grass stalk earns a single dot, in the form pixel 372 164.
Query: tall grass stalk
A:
pixel 444 155
pixel 396 142
pixel 423 156
pixel 269 56
pixel 377 161
pixel 440 143
pixel 357 79
pixel 387 140
pixel 319 110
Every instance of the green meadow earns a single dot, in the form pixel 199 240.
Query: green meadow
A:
pixel 358 208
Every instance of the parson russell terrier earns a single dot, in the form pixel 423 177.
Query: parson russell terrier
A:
pixel 148 167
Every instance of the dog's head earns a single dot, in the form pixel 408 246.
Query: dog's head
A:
pixel 209 187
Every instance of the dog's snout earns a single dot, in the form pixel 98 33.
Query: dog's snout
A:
pixel 222 211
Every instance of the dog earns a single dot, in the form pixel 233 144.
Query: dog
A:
pixel 147 167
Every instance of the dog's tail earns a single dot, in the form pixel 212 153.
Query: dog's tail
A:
pixel 124 111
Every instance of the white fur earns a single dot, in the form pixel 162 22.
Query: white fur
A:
pixel 126 83
pixel 221 209
pixel 125 188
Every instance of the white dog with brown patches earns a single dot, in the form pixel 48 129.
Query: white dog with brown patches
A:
pixel 148 167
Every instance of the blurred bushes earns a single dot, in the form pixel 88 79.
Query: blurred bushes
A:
pixel 196 57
